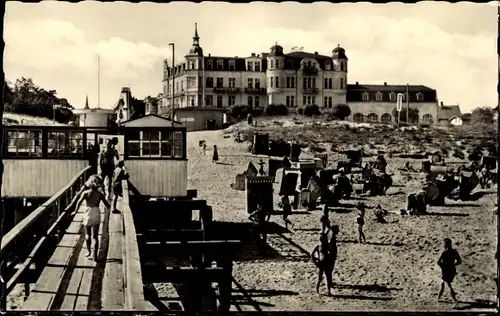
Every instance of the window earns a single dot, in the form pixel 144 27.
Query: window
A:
pixel 210 64
pixel 372 117
pixel 272 64
pixel 271 82
pixel 358 117
pixel 191 82
pixel 290 100
pixel 378 96
pixel 277 64
pixel 250 82
pixel 342 86
pixel 257 83
pixel 366 96
pixel 277 82
pixel 231 100
pixel 308 82
pixel 210 82
pixel 191 99
pixel 290 64
pixel 313 100
pixel 209 100
pixel 313 82
pixel 232 65
pixel 232 82
pixel 25 143
pixel 328 83
pixel 250 101
pixel 219 101
pixel 427 118
pixel 257 66
pixel 328 65
pixel 191 65
pixel 307 100
pixel 328 102
pixel 257 101
pixel 304 100
pixel 177 87
pixel 386 118
pixel 65 143
pixel 290 82
pixel 392 97
pixel 220 82
pixel 178 144
pixel 220 64
pixel 420 97
pixel 249 66
pixel 309 64
pixel 342 66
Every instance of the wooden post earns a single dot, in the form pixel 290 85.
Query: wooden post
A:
pixel 225 285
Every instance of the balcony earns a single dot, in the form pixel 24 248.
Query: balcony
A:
pixel 310 90
pixel 226 90
pixel 255 90
pixel 308 70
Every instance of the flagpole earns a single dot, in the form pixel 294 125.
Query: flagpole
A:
pixel 407 103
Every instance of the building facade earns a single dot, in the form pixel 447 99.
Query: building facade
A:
pixel 296 79
pixel 376 103
pixel 95 117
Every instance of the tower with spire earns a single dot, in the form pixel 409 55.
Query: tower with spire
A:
pixel 194 61
pixel 86 102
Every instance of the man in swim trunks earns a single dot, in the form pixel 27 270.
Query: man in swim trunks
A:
pixel 321 256
pixel 92 215
pixel 447 262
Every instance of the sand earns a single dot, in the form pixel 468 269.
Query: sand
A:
pixel 395 270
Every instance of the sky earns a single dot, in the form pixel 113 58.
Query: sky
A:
pixel 448 47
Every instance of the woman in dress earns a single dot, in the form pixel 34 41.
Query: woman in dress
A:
pixel 215 156
pixel 92 215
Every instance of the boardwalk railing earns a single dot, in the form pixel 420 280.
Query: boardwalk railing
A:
pixel 134 291
pixel 32 241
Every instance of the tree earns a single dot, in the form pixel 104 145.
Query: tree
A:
pixel 341 111
pixel 413 115
pixel 312 110
pixel 28 98
pixel 484 115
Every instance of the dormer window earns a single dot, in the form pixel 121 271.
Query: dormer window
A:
pixel 256 66
pixel 290 64
pixel 249 66
pixel 366 96
pixel 210 64
pixel 272 64
pixel 328 65
pixel 219 64
pixel 392 96
pixel 420 97
pixel 378 96
pixel 232 65
pixel 342 66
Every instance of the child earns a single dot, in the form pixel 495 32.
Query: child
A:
pixel 325 220
pixel 92 215
pixel 119 175
pixel 447 262
pixel 93 178
pixel 287 210
pixel 360 220
pixel 215 156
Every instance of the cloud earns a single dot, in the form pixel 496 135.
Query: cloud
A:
pixel 52 45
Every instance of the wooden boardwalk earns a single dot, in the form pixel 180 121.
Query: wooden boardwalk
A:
pixel 73 282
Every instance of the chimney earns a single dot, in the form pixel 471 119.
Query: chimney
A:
pixel 357 83
pixel 253 54
pixel 209 55
pixel 385 83
pixel 315 53
pixel 442 103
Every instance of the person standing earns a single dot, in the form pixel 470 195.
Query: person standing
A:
pixel 360 220
pixel 448 262
pixel 322 259
pixel 215 156
pixel 92 215
pixel 107 163
pixel 118 175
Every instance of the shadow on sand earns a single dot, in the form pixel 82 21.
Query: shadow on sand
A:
pixel 374 243
pixel 446 214
pixel 479 304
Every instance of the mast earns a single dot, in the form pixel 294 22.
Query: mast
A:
pixel 407 103
pixel 98 82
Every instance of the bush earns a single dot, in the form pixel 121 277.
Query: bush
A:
pixel 276 110
pixel 240 112
pixel 312 110
pixel 300 111
pixel 341 111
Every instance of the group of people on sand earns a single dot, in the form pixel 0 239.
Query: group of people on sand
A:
pixel 94 192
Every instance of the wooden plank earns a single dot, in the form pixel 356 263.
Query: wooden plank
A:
pixel 134 292
pixel 113 284
pixel 174 234
pixel 187 205
pixel 45 290
pixel 179 274
pixel 196 246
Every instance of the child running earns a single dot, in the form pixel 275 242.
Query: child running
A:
pixel 92 215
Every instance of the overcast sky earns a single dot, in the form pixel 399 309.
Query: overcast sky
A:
pixel 448 47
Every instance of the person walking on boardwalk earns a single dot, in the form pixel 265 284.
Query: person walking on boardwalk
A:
pixel 118 176
pixel 215 156
pixel 86 186
pixel 92 215
pixel 360 220
pixel 107 163
pixel 448 262
pixel 321 257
